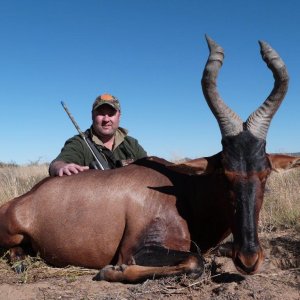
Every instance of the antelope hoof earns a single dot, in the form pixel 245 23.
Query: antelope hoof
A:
pixel 109 271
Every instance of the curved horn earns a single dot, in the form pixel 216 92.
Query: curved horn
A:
pixel 259 121
pixel 229 122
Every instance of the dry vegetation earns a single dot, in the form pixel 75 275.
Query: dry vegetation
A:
pixel 281 208
pixel 279 233
pixel 17 180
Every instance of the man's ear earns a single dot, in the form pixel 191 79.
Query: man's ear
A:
pixel 93 115
pixel 198 166
pixel 281 162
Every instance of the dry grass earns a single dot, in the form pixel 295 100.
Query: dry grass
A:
pixel 17 180
pixel 281 205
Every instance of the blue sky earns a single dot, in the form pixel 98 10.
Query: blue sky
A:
pixel 151 55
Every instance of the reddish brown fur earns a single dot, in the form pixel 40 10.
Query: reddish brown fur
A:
pixel 112 213
pixel 284 162
pixel 96 223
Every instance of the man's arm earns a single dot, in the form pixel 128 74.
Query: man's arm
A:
pixel 73 158
pixel 139 151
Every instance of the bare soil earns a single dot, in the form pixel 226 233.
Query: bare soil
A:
pixel 278 279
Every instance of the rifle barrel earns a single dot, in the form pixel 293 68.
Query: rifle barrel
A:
pixel 71 118
pixel 81 134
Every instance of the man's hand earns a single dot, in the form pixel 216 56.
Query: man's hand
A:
pixel 60 168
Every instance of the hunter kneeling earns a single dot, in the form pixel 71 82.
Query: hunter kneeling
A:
pixel 110 143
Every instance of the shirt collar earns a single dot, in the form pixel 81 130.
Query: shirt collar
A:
pixel 120 135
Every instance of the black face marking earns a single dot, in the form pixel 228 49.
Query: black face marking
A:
pixel 244 153
pixel 246 167
pixel 245 214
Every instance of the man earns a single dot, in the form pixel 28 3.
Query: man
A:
pixel 111 141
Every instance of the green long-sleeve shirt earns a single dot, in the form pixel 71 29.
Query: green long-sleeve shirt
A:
pixel 125 147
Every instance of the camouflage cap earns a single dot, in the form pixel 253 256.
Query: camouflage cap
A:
pixel 107 99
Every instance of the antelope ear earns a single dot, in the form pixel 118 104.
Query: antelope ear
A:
pixel 198 166
pixel 281 162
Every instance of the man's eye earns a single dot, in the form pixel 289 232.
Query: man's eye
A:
pixel 107 114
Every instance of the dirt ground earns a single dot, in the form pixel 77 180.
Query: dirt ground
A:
pixel 278 279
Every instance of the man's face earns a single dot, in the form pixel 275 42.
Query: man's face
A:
pixel 106 120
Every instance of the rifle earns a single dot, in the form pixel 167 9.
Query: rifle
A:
pixel 101 163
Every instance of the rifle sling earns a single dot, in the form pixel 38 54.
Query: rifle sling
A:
pixel 100 156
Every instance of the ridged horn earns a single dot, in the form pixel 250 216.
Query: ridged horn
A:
pixel 259 121
pixel 229 122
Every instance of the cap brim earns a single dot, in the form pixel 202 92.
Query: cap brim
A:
pixel 105 103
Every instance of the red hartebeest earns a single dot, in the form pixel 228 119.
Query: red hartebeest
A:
pixel 147 218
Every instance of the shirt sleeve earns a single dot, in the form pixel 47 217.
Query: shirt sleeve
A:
pixel 139 150
pixel 74 151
